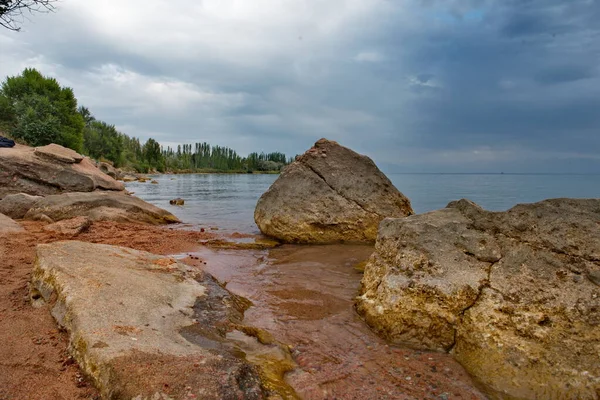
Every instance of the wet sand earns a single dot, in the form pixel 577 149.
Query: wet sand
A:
pixel 303 296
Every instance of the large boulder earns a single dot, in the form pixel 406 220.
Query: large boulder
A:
pixel 99 206
pixel 142 326
pixel 329 194
pixel 8 225
pixel 514 295
pixel 17 205
pixel 49 170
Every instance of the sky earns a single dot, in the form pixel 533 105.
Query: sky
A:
pixel 417 85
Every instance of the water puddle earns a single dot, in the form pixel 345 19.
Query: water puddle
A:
pixel 303 297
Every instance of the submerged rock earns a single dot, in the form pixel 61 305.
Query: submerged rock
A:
pixel 49 170
pixel 144 326
pixel 329 194
pixel 511 294
pixel 100 206
pixel 177 202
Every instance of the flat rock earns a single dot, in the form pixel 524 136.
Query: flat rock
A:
pixel 17 205
pixel 513 295
pixel 143 326
pixel 50 170
pixel 99 206
pixel 329 194
pixel 8 225
pixel 59 153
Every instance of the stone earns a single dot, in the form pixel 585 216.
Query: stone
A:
pixel 141 324
pixel 8 225
pixel 69 227
pixel 109 170
pixel 177 202
pixel 59 153
pixel 41 172
pixel 154 182
pixel 129 178
pixel 17 205
pixel 509 294
pixel 329 194
pixel 100 206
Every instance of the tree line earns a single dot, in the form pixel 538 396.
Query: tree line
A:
pixel 37 110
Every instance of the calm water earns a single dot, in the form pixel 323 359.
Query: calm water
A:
pixel 227 201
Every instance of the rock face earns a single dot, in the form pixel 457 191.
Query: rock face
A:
pixel 513 295
pixel 144 326
pixel 17 205
pixel 99 206
pixel 49 170
pixel 329 194
pixel 7 225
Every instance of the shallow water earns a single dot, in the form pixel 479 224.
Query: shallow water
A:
pixel 303 296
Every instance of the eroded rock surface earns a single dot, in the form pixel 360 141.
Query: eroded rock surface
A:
pixel 513 295
pixel 49 170
pixel 329 194
pixel 144 326
pixel 99 206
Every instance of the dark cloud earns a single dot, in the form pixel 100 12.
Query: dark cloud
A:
pixel 421 85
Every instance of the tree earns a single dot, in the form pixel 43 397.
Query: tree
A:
pixel 12 12
pixel 31 95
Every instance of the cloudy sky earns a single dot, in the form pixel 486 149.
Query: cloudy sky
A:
pixel 418 85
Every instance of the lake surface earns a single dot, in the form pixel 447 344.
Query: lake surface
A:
pixel 227 201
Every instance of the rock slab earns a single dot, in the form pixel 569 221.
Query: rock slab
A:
pixel 99 206
pixel 513 295
pixel 128 314
pixel 329 194
pixel 49 170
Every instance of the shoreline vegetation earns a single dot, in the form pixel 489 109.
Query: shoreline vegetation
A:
pixel 36 110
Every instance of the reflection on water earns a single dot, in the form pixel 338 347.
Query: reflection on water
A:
pixel 303 296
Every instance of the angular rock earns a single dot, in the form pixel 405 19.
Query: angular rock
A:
pixel 69 227
pixel 100 206
pixel 17 205
pixel 329 194
pixel 510 294
pixel 44 171
pixel 8 225
pixel 55 152
pixel 144 326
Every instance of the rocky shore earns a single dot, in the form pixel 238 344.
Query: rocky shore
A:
pixel 95 305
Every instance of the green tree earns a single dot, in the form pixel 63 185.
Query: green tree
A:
pixel 102 140
pixel 29 94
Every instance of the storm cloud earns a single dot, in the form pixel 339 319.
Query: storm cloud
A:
pixel 430 85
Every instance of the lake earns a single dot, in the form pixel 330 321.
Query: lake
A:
pixel 227 201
